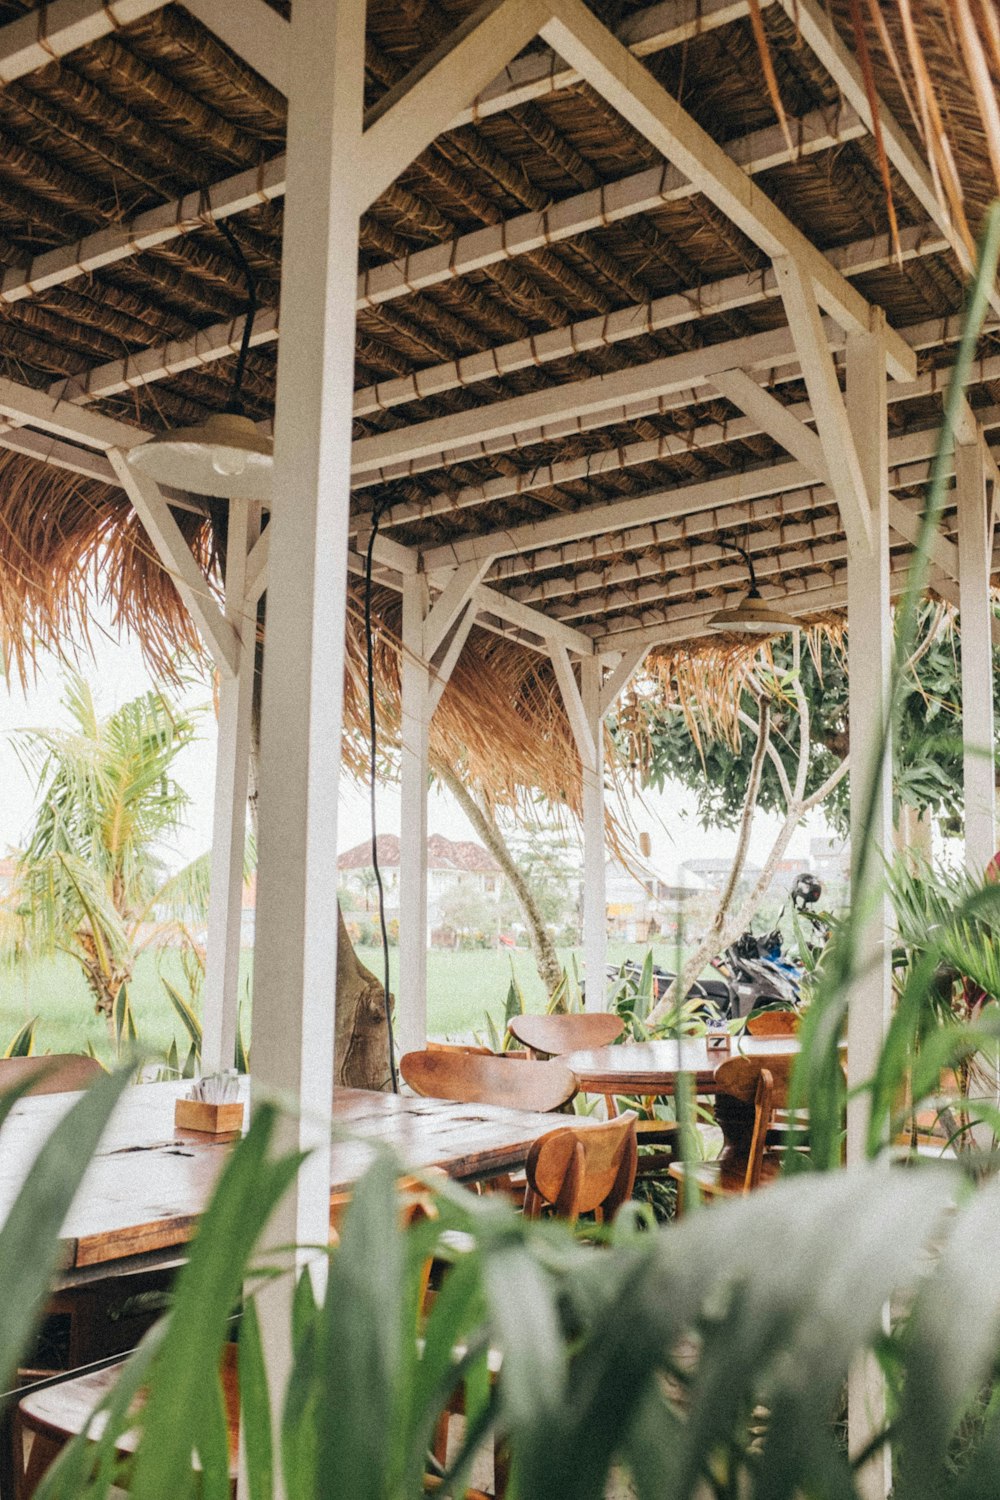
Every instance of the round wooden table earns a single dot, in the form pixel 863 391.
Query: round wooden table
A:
pixel 650 1068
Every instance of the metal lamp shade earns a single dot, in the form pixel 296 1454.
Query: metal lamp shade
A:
pixel 223 456
pixel 753 617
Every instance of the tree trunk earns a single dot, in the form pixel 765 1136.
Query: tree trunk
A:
pixel 361 1056
pixel 546 959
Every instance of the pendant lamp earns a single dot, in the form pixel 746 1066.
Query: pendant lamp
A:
pixel 753 616
pixel 225 454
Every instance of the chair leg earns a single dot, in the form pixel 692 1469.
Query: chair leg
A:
pixel 43 1453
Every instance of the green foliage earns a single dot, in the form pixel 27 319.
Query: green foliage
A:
pixel 22 1043
pixel 89 881
pixel 928 753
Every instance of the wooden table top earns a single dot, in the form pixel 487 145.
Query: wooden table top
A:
pixel 653 1067
pixel 149 1181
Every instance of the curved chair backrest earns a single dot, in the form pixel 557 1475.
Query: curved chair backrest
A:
pixel 762 1082
pixel 555 1036
pixel 773 1023
pixel 57 1073
pixel 582 1169
pixel 470 1078
pixel 465 1047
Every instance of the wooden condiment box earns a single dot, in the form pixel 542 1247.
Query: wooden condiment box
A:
pixel 211 1119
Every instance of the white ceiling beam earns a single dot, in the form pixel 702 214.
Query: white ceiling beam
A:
pixel 598 395
pixel 829 409
pixel 156 226
pixel 63 26
pixel 257 567
pixel 409 116
pixel 619 678
pixel 569 691
pixel 254 32
pixel 442 670
pixel 637 510
pixel 579 37
pixel 635 321
pixel 23 404
pixel 815 25
pixel 450 603
pixel 608 204
pixel 774 418
pixel 176 556
pixel 638 193
pixel 61 455
pixel 490 601
pixel 658 27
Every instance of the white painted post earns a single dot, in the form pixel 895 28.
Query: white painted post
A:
pixel 232 768
pixel 411 1001
pixel 296 948
pixel 976 614
pixel 595 915
pixel 870 654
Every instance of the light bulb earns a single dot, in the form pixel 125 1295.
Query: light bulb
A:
pixel 229 462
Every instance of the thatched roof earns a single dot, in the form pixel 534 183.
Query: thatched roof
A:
pixel 161 108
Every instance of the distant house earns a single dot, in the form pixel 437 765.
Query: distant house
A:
pixel 713 873
pixel 638 901
pixel 450 862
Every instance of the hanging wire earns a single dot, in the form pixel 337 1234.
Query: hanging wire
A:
pixel 726 541
pixel 378 510
pixel 235 404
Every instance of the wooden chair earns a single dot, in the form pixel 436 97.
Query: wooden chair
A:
pixel 470 1078
pixel 56 1073
pixel 49 1418
pixel 555 1036
pixel 582 1169
pixel 773 1023
pixel 749 1090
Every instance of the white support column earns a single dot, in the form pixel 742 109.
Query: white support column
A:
pixel 232 768
pixel 296 948
pixel 870 648
pixel 411 1001
pixel 975 545
pixel 595 913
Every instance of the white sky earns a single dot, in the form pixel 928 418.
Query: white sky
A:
pixel 118 673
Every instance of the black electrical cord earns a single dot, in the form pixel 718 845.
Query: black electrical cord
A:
pixel 235 405
pixel 377 512
pixel 725 541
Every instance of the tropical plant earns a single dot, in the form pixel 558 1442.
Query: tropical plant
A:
pixel 90 881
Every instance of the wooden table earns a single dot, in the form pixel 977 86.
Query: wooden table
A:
pixel 149 1182
pixel 653 1067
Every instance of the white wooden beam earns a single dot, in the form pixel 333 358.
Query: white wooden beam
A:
pixel 637 510
pixel 579 37
pixel 425 268
pixel 256 574
pixel 450 603
pixel 774 418
pixel 23 404
pixel 421 106
pixel 254 32
pixel 176 556
pixel 63 26
pixel 295 959
pixel 569 690
pixel 492 602
pixel 148 230
pixel 976 619
pixel 640 192
pixel 619 678
pixel 842 458
pixel 599 395
pixel 540 476
pixel 814 24
pixel 654 29
pixel 232 774
pixel 595 898
pixel 441 670
pixel 411 1004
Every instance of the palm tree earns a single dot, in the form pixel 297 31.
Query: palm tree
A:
pixel 90 881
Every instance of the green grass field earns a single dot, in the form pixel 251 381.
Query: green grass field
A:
pixel 461 988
